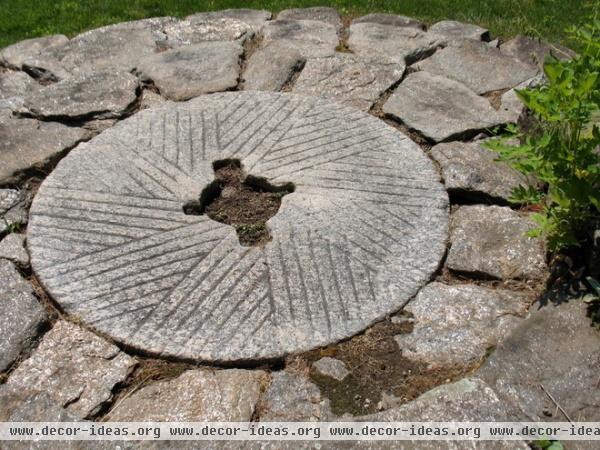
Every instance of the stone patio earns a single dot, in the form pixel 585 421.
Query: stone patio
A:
pixel 398 218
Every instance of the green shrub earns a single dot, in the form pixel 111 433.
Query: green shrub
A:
pixel 562 150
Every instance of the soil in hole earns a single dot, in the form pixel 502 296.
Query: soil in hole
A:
pixel 244 201
pixel 377 367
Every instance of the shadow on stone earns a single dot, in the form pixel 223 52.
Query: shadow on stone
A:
pixel 244 201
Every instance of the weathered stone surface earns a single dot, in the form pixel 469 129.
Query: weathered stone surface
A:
pixel 557 348
pixel 440 108
pixel 331 367
pixel 26 143
pixel 390 19
pixel 18 404
pixel 12 247
pixel 471 170
pixel 293 398
pixel 197 30
pixel 13 87
pixel 348 79
pixel 157 279
pixel 320 13
pixel 492 240
pixel 21 314
pixel 12 209
pixel 195 396
pixel 312 38
pixel 112 48
pixel 456 325
pixel 477 66
pixel 451 30
pixel 271 67
pixel 253 17
pixel 511 107
pixel 150 99
pixel 191 71
pixel 77 369
pixel 533 51
pixel 15 55
pixel 101 95
pixel 401 44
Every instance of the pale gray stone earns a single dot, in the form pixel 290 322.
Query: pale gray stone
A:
pixel 195 396
pixel 156 279
pixel 12 247
pixel 472 171
pixel 18 404
pixel 493 241
pixel 390 19
pixel 77 369
pixel 331 367
pixel 15 55
pixel 102 95
pixel 112 48
pixel 439 108
pixel 13 87
pixel 312 38
pixel 511 107
pixel 452 29
pixel 196 30
pixel 533 51
pixel 347 79
pixel 188 72
pixel 271 67
pixel 457 325
pixel 478 66
pixel 8 199
pixel 12 209
pixel 320 13
pixel 401 44
pixel 150 99
pixel 253 17
pixel 29 143
pixel 560 343
pixel 293 398
pixel 21 315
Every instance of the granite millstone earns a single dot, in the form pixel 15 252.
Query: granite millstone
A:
pixel 348 79
pixel 439 108
pixel 362 232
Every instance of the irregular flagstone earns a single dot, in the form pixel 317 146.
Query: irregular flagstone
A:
pixel 253 17
pixel 12 209
pixel 511 107
pixel 457 325
pixel 471 170
pixel 101 95
pixel 312 38
pixel 345 78
pixel 331 367
pixel 566 361
pixel 478 66
pixel 197 30
pixel 401 44
pixel 21 315
pixel 28 143
pixel 493 241
pixel 158 281
pixel 188 72
pixel 112 48
pixel 12 247
pixel 77 369
pixel 390 19
pixel 440 108
pixel 15 55
pixel 320 13
pixel 13 87
pixel 533 51
pixel 195 396
pixel 293 398
pixel 271 67
pixel 18 404
pixel 150 99
pixel 451 30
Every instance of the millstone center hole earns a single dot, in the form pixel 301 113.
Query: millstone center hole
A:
pixel 244 201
